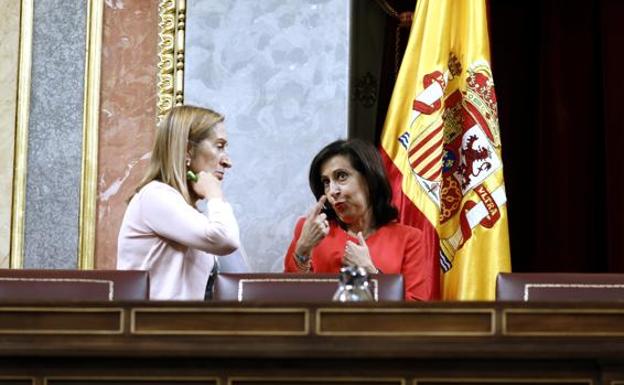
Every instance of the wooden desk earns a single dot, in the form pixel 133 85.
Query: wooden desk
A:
pixel 228 343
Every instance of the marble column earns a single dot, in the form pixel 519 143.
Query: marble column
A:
pixel 127 115
pixel 9 44
pixel 55 134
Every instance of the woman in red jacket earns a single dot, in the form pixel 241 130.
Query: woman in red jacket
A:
pixel 355 224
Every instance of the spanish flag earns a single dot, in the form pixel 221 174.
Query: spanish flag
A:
pixel 442 148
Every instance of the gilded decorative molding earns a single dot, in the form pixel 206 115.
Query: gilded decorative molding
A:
pixel 18 209
pixel 172 15
pixel 90 131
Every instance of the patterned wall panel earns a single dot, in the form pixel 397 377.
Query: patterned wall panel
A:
pixel 278 70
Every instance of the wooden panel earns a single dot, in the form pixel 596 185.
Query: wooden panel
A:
pixel 502 381
pixel 233 344
pixel 169 380
pixel 315 380
pixel 405 322
pixel 563 322
pixel 221 321
pixel 16 381
pixel 42 320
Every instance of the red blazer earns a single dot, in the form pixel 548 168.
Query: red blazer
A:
pixel 394 249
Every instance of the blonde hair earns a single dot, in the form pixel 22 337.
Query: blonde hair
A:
pixel 183 126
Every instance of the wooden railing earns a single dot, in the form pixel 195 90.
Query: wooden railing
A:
pixel 229 343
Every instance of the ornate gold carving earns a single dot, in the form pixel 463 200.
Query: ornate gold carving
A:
pixel 90 129
pixel 172 15
pixel 18 209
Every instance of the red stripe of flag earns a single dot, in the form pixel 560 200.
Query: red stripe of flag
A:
pixel 436 160
pixel 437 175
pixel 434 147
pixel 421 143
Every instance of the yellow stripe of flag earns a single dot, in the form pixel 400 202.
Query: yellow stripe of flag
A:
pixel 441 133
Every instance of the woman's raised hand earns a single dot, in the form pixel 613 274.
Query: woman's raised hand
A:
pixel 208 186
pixel 357 254
pixel 315 228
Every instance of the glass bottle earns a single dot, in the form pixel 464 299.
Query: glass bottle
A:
pixel 353 285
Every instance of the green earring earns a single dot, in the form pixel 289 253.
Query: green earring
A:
pixel 190 175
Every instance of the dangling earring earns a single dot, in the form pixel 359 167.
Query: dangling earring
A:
pixel 188 163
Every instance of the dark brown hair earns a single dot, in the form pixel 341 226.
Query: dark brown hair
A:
pixel 366 160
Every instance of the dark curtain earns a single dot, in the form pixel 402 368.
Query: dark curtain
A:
pixel 557 70
pixel 395 42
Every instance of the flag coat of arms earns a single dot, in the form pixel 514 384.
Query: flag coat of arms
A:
pixel 442 149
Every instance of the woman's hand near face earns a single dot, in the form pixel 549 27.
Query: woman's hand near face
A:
pixel 208 186
pixel 315 228
pixel 357 254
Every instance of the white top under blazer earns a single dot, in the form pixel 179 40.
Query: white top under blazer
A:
pixel 163 234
